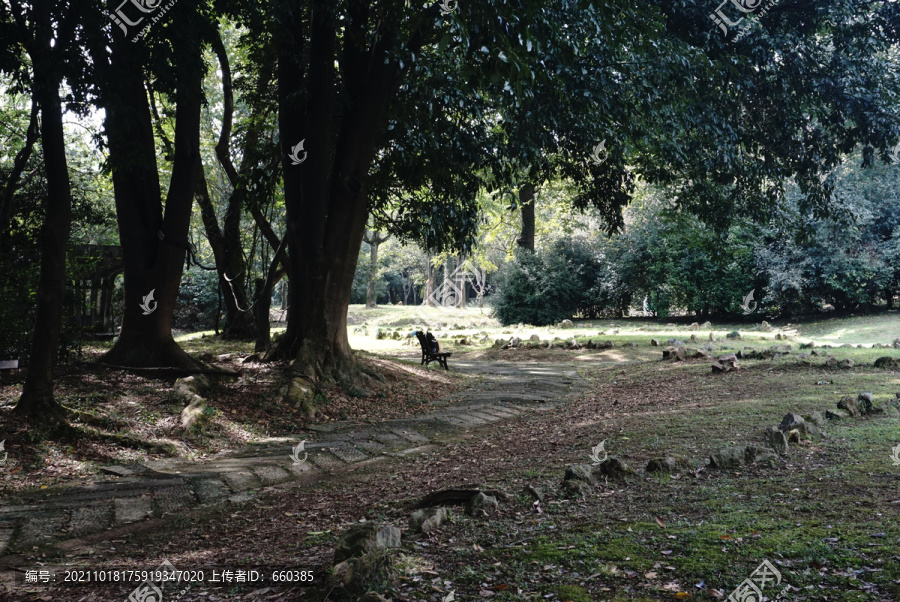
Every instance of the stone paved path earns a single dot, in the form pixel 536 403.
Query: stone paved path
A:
pixel 157 488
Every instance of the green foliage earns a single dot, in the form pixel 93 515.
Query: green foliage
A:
pixel 198 300
pixel 549 285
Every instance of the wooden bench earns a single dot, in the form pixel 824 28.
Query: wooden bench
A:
pixel 8 365
pixel 431 350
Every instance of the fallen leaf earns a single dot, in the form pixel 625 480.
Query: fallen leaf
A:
pixel 726 536
pixel 682 595
pixel 650 575
pixel 660 522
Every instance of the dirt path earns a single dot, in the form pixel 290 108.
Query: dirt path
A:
pixel 143 494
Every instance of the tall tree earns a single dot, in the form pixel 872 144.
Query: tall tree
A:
pixel 47 32
pixel 374 240
pixel 154 241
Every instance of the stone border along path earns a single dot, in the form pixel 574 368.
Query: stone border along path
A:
pixel 48 516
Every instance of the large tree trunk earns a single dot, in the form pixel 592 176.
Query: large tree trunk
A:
pixel 325 195
pixel 153 244
pixel 526 203
pixel 37 400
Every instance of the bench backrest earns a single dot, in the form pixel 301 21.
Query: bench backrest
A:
pixel 428 342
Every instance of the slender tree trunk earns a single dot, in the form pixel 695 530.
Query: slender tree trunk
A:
pixel 19 163
pixel 153 244
pixel 373 270
pixel 37 400
pixel 526 203
pixel 374 241
pixel 229 257
pixel 429 283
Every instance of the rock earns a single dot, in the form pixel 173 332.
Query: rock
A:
pixel 706 325
pixel 373 597
pixel 792 422
pixel 654 342
pixel 765 327
pixel 734 334
pixel 693 338
pixel 427 519
pixel 834 415
pixel 736 456
pixel 807 345
pixel 566 324
pixel 775 439
pixel 590 344
pixel 694 326
pixel 534 492
pixel 613 468
pixel 866 404
pixel 896 343
pixel 847 363
pixel 575 489
pixel 793 436
pixel 886 362
pixel 481 503
pixel 817 419
pixel 462 341
pixel 674 353
pixel 666 465
pixel 675 343
pixel 580 472
pixel 605 345
pixel 573 344
pixel 364 538
pixel 849 405
pixel 359 573
pixel 831 363
pixel 701 354
pixel 534 338
pixel 730 457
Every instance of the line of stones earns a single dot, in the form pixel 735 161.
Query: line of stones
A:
pixel 133 499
